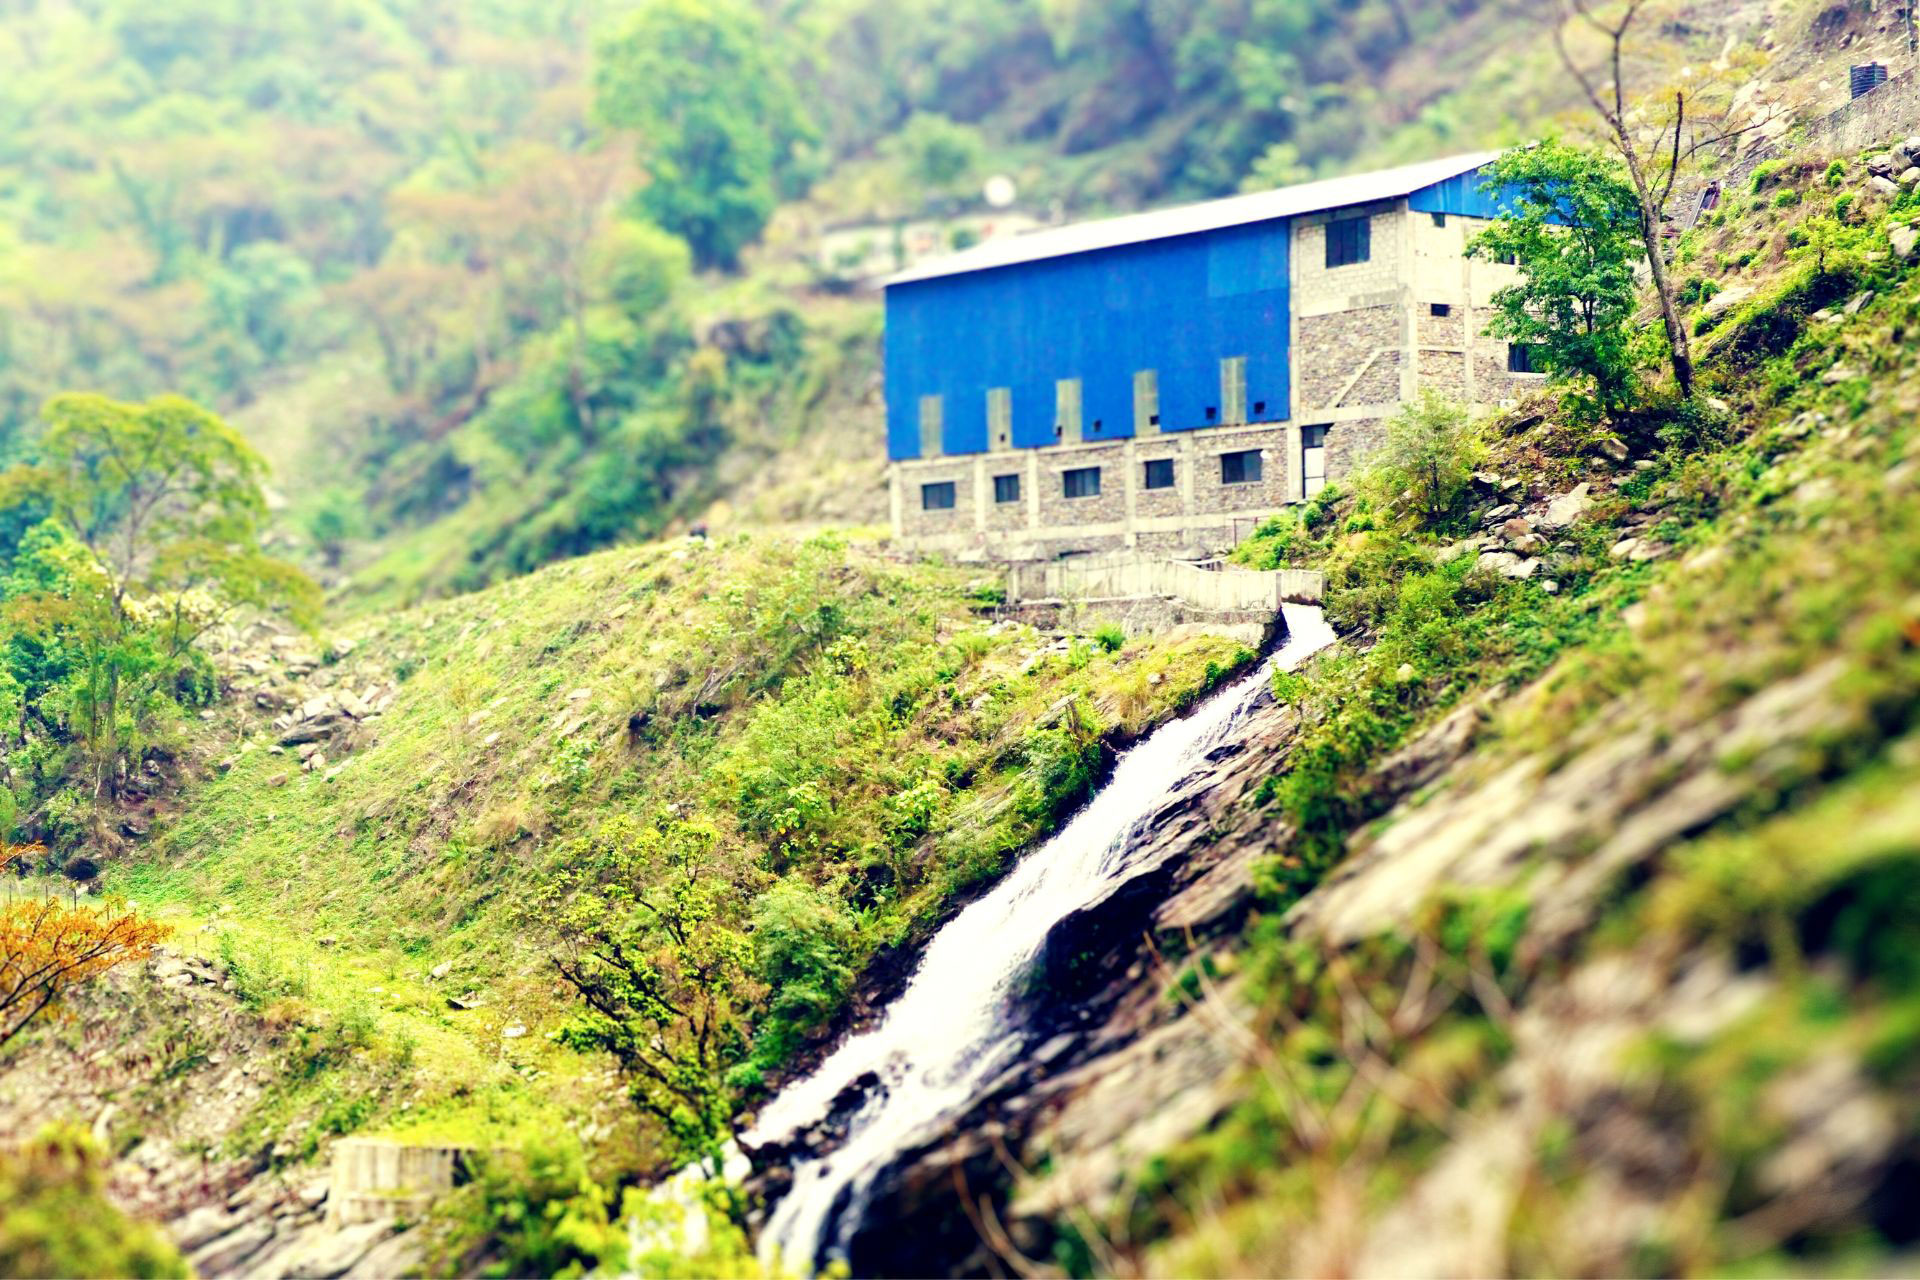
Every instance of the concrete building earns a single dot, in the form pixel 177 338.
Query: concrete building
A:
pixel 1166 380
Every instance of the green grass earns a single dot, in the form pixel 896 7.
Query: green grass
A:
pixel 1795 545
pixel 841 719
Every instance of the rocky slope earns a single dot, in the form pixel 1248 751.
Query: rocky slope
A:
pixel 1613 982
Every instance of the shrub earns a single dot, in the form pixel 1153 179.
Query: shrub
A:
pixel 59 1222
pixel 803 948
pixel 1110 636
pixel 1430 452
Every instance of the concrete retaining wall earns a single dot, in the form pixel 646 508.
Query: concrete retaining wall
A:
pixel 1123 576
pixel 375 1180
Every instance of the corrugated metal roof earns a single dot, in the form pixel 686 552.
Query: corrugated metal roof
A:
pixel 1183 220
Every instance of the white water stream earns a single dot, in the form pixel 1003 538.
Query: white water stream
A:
pixel 948 1034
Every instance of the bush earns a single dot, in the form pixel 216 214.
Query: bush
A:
pixel 1110 636
pixel 59 1222
pixel 803 951
pixel 1431 450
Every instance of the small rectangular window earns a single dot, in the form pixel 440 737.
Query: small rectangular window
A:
pixel 1240 468
pixel 1006 488
pixel 1259 408
pixel 1159 473
pixel 1213 413
pixel 1520 358
pixel 1349 240
pixel 1439 219
pixel 1081 482
pixel 1440 309
pixel 937 497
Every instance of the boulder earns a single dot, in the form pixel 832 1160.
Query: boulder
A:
pixel 1881 164
pixel 1883 185
pixel 1726 300
pixel 1517 527
pixel 1566 509
pixel 1508 565
pixel 1905 240
pixel 1860 300
pixel 1909 175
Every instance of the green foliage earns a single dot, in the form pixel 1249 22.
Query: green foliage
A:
pixel 804 951
pixel 1430 452
pixel 937 156
pixel 650 940
pixel 538 1211
pixel 722 132
pixel 1572 224
pixel 1110 636
pixel 153 536
pixel 59 1220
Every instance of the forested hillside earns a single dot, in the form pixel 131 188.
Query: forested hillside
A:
pixel 483 301
pixel 456 707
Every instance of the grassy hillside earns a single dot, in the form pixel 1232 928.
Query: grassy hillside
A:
pixel 1675 769
pixel 844 730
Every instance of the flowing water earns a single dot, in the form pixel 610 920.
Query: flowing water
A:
pixel 953 1029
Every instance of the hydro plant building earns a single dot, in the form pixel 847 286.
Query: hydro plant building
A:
pixel 1166 380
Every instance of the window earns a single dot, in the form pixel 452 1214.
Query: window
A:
pixel 1000 417
pixel 1240 468
pixel 1081 482
pixel 1439 219
pixel 1159 473
pixel 1066 410
pixel 1233 389
pixel 1313 460
pixel 1213 413
pixel 1006 488
pixel 1349 240
pixel 937 497
pixel 1146 402
pixel 931 413
pixel 1259 408
pixel 1520 358
pixel 1439 308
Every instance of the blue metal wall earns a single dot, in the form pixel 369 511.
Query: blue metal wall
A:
pixel 1177 306
pixel 1460 195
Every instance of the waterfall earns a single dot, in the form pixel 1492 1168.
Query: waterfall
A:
pixel 950 1032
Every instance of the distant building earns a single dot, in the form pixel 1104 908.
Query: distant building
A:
pixel 1165 380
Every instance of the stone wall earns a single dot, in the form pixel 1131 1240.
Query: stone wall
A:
pixel 1348 443
pixel 1107 505
pixel 1333 347
pixel 1199 511
pixel 915 520
pixel 1445 372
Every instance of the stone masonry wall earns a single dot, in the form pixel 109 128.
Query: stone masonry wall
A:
pixel 1273 489
pixel 1333 347
pixel 1109 504
pixel 1348 443
pixel 1445 372
pixel 918 522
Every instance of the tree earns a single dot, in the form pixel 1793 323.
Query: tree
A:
pixel 937 156
pixel 1656 139
pixel 47 948
pixel 723 135
pixel 1571 222
pixel 1430 452
pixel 653 952
pixel 160 507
